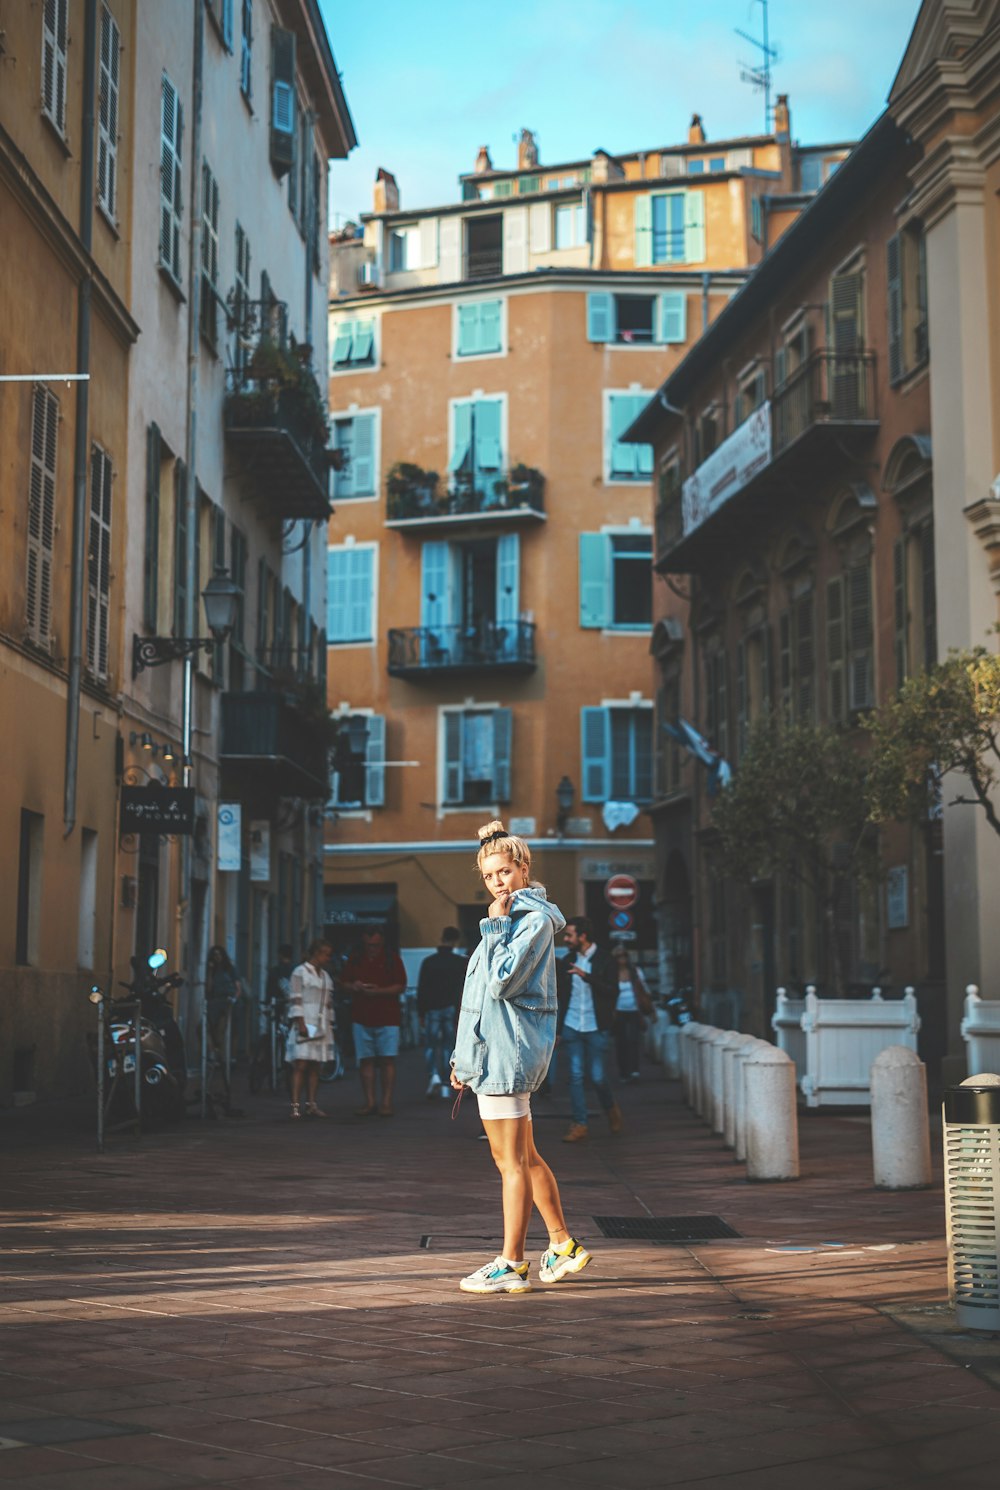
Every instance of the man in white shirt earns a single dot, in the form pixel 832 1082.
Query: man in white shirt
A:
pixel 587 999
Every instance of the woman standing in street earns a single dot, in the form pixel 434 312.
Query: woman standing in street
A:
pixel 222 989
pixel 310 1010
pixel 506 1035
pixel 633 1003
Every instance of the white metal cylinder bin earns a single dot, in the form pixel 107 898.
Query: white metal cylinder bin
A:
pixel 972 1199
pixel 901 1142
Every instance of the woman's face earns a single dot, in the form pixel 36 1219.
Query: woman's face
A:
pixel 502 876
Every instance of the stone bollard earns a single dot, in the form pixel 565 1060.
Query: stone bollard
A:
pixel 772 1128
pixel 732 1076
pixel 740 1092
pixel 901 1140
pixel 716 1050
pixel 670 1046
pixel 723 1056
pixel 689 1032
pixel 706 1054
pixel 698 1058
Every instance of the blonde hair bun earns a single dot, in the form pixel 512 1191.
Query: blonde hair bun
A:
pixel 488 829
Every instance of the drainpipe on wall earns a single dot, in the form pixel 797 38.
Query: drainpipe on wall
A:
pixel 78 553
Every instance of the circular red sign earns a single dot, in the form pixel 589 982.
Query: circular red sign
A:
pixel 621 891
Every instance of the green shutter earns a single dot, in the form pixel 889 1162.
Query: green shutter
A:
pixel 453 783
pixel 900 609
pixel 488 454
pixel 894 275
pixel 375 762
pixel 343 343
pixel 336 594
pixel 671 320
pixel 468 330
pixel 363 341
pixel 694 227
pixel 460 451
pixel 835 649
pixel 489 326
pixel 180 549
pixel 624 458
pixel 861 676
pixel 362 469
pixel 502 730
pixel 595 579
pixel 595 754
pixel 600 316
pixel 508 600
pixel 434 601
pixel 643 230
pixel 359 594
pixel 643 453
pixel 151 556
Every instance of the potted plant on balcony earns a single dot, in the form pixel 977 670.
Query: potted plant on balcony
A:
pixel 521 487
pixel 411 491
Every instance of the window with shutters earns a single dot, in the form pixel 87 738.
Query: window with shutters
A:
pixel 352 344
pixel 478 448
pixel 803 615
pixel 359 774
pixel 180 549
pixel 860 637
pixel 624 461
pixel 41 516
pixel 151 548
pixel 661 235
pixel 357 438
pixel 246 51
pixel 569 225
pixel 99 566
pixel 284 103
pixel 900 611
pixel 237 640
pixel 171 199
pixel 480 328
pixel 836 652
pixel 209 256
pixel 350 593
pixel 108 116
pixel 751 393
pixel 846 342
pixel 637 320
pixel 906 300
pixel 617 753
pixel 924 539
pixel 616 580
pixel 785 662
pixel 241 301
pixel 475 757
pixel 404 248
pixel 221 12
pixel 54 46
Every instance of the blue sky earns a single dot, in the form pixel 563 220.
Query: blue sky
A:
pixel 428 84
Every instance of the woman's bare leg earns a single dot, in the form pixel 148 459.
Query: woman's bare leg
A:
pixel 298 1076
pixel 546 1193
pixel 509 1144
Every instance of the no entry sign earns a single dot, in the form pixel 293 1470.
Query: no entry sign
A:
pixel 621 891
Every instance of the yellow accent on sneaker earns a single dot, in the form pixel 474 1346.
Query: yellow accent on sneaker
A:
pixel 556 1263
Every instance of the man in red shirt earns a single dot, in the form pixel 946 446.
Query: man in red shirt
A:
pixel 376 980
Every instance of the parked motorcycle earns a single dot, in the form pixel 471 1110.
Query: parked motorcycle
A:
pixel 162 1062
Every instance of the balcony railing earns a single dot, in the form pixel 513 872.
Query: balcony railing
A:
pixel 273 747
pixel 829 388
pixel 496 646
pixel 484 263
pixel 274 412
pixel 415 497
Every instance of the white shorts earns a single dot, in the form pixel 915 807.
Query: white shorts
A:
pixel 516 1106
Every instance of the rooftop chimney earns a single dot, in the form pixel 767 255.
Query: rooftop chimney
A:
pixel 527 151
pixel 696 131
pixel 483 162
pixel 386 195
pixel 782 116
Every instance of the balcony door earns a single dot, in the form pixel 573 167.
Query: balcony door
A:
pixel 471 596
pixel 846 340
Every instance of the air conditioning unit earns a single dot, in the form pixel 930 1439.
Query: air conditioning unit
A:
pixel 370 275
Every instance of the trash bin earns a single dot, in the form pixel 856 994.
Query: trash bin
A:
pixel 972 1200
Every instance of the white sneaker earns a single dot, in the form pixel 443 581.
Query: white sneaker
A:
pixel 555 1265
pixel 497 1277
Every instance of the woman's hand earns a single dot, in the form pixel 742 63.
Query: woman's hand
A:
pixel 456 1084
pixel 303 1029
pixel 500 905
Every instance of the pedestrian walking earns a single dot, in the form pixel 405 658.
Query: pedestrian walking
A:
pixel 439 994
pixel 586 1015
pixel 376 980
pixel 633 1004
pixel 223 989
pixel 311 1037
pixel 506 1034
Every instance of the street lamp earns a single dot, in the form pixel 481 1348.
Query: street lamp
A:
pixel 221 598
pixel 565 797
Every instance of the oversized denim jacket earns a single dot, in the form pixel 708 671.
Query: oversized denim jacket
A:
pixel 507 1025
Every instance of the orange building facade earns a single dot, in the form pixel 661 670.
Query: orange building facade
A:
pixel 489 585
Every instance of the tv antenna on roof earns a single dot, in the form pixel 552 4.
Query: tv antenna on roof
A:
pixel 759 74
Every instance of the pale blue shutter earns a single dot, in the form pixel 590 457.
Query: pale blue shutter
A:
pixel 502 730
pixel 624 460
pixel 453 782
pixel 643 453
pixel 694 227
pixel 463 436
pixel 434 584
pixel 643 231
pixel 468 330
pixel 595 577
pixel 595 753
pixel 359 593
pixel 488 453
pixel 342 343
pixel 336 594
pixel 508 579
pixel 375 762
pixel 671 320
pixel 489 326
pixel 362 341
pixel 362 465
pixel 600 316
pixel 675 227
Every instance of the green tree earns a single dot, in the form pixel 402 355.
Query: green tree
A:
pixel 942 721
pixel 796 807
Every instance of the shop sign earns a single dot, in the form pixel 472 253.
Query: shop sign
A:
pixel 157 809
pixel 230 825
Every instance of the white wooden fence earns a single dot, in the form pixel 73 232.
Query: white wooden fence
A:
pixel 843 1037
pixel 786 1021
pixel 981 1032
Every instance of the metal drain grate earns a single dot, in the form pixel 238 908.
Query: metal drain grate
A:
pixel 665 1228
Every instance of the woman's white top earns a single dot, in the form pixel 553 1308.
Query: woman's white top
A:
pixel 626 997
pixel 310 998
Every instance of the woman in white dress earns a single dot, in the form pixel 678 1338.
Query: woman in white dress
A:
pixel 310 1010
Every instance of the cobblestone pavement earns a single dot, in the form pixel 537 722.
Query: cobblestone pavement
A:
pixel 268 1304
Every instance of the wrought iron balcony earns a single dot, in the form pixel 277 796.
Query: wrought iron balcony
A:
pixel 484 263
pixel 273 746
pixel 415 498
pixel 417 652
pixel 820 417
pixel 274 413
